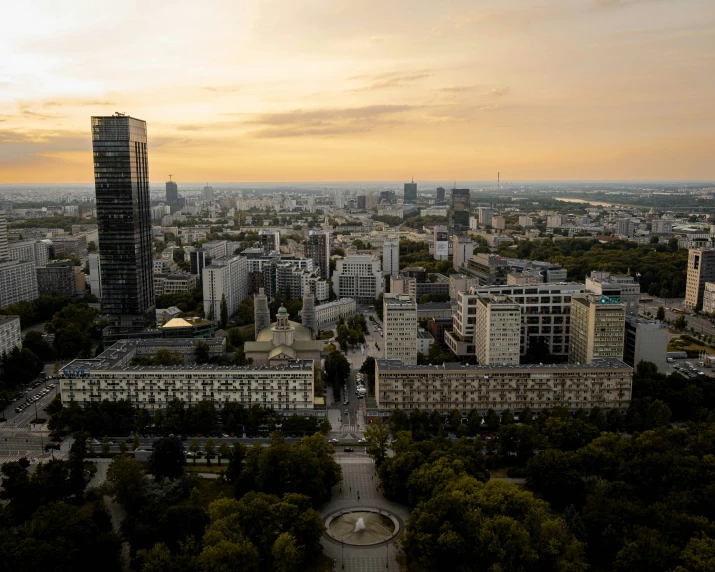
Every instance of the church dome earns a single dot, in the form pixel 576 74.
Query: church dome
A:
pixel 282 311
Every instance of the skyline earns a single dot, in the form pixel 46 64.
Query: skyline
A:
pixel 281 92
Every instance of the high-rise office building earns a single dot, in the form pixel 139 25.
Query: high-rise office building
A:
pixel 459 210
pixel 318 250
pixel 701 269
pixel 358 276
pixel 410 196
pixel 270 240
pixel 441 194
pixel 399 318
pixel 597 328
pixel 485 216
pixel 391 257
pixel 172 193
pixel 56 277
pixel 646 340
pixel 207 194
pixel 121 175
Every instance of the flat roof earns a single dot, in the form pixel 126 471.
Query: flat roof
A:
pixel 599 364
pixel 97 365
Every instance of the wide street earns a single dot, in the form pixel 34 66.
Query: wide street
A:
pixel 702 324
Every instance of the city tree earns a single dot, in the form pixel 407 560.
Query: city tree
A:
pixel 377 436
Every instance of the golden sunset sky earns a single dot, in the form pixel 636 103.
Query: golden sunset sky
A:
pixel 360 90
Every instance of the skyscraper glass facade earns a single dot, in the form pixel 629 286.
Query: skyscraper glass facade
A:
pixel 410 193
pixel 121 178
pixel 459 210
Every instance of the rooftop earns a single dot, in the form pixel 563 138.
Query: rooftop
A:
pixel 599 364
pixel 93 364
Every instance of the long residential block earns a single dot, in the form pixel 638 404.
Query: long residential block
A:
pixel 605 383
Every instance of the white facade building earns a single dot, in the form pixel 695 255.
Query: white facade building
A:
pixel 358 276
pixel 226 276
pixel 330 313
pixel 462 251
pixel 399 318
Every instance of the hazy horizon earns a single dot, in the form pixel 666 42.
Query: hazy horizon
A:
pixel 560 90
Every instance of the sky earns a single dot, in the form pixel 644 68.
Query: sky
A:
pixel 364 90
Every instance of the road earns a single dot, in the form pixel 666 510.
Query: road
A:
pixel 36 409
pixel 702 324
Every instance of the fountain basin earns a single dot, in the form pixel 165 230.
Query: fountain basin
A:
pixel 362 526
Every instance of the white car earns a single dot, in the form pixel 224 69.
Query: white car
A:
pixel 333 441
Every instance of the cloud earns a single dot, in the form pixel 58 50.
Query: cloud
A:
pixel 223 88
pixel 390 80
pixel 76 103
pixel 458 88
pixel 499 91
pixel 327 121
pixel 377 39
pixel 19 145
pixel 622 3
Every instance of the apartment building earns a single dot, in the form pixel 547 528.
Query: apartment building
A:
pixel 597 328
pixel 10 335
pixel 462 250
pixel 358 276
pixel 399 318
pixel 57 277
pixel 317 248
pixel 224 277
pixel 18 282
pixel 604 383
pixel 288 387
pixel 701 269
pixel 497 330
pixel 391 257
pixel 174 283
pixel 545 316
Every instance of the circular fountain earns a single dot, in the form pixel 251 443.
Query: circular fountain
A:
pixel 362 527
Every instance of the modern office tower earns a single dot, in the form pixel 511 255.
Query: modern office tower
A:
pixel 318 250
pixel 597 328
pixel 358 276
pixel 4 251
pixel 441 243
pixel 261 313
pixel 615 286
pixel 485 216
pixel 701 269
pixel 362 202
pixel 410 196
pixel 545 310
pixel 419 273
pixel 459 210
pixel 387 197
pixel 95 273
pixel 308 312
pixel 497 331
pixel 498 222
pixel 289 385
pixel 525 221
pixel 198 260
pixel 57 277
pixel 207 195
pixel 646 340
pixel 172 193
pixel 440 198
pixel 18 282
pixel 121 180
pixel 270 240
pixel 399 319
pixel 226 276
pixel 462 250
pixel 10 334
pixel 604 383
pixel 391 257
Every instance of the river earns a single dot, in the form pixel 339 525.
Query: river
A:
pixel 596 203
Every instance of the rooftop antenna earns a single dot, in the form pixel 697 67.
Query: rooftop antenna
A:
pixel 170 177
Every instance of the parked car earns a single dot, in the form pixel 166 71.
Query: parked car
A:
pixel 348 450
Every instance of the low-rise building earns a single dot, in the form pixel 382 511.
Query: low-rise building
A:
pixel 604 383
pixel 174 283
pixel 287 387
pixel 332 311
pixel 424 341
pixel 359 277
pixel 646 340
pixel 56 277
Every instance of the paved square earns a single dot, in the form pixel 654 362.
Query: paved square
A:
pixel 359 476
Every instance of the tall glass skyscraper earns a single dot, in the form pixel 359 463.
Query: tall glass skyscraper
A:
pixel 121 182
pixel 172 193
pixel 459 210
pixel 410 196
